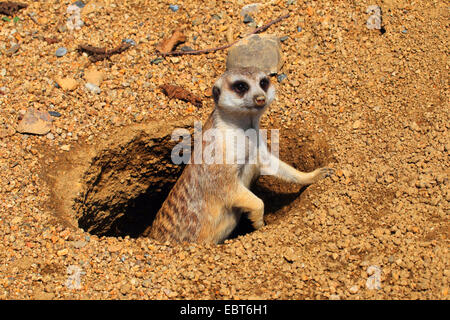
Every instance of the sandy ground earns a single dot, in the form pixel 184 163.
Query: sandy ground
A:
pixel 373 106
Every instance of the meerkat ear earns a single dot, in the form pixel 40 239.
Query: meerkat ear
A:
pixel 216 94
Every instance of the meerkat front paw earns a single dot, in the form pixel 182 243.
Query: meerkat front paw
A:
pixel 322 173
pixel 258 224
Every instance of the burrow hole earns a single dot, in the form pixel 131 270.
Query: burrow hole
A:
pixel 125 185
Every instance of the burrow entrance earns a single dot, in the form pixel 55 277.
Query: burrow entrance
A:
pixel 116 187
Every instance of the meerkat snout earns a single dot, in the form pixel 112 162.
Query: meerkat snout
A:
pixel 260 100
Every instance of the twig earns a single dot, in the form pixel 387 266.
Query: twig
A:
pixel 195 52
pixel 97 54
pixel 33 19
pixel 10 7
pixel 177 92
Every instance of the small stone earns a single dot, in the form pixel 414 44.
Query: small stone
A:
pixel 354 289
pixel 62 252
pixel 79 244
pixel 283 39
pixel 41 295
pixel 290 255
pixel 62 28
pixel 281 77
pixel 356 124
pixel 65 147
pixel 405 31
pixel 61 51
pixel 94 76
pixel 129 41
pixel 250 8
pixel 54 114
pixel 113 248
pixel 186 48
pixel 92 88
pixel 414 126
pixel 299 29
pixel 35 122
pixel 50 136
pixel 125 288
pixel 67 84
pixel 196 22
pixel 14 48
pixel 248 19
pixel 335 297
pixel 157 60
pixel 174 7
pixel 90 7
pixel 79 4
pixel 262 51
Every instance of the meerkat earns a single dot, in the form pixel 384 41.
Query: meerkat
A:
pixel 208 199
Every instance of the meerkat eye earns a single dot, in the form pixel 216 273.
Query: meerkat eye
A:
pixel 264 84
pixel 240 87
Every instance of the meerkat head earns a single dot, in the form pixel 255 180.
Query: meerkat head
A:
pixel 243 90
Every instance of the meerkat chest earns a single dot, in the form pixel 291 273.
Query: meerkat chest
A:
pixel 248 173
pixel 248 158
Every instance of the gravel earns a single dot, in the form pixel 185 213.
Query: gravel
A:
pixel 377 103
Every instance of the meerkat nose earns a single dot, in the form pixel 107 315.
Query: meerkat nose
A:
pixel 259 100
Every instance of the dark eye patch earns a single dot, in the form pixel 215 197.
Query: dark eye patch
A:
pixel 216 94
pixel 240 87
pixel 264 83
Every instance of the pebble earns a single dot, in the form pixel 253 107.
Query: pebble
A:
pixel 113 248
pixel 94 77
pixel 62 252
pixel 50 136
pixel 299 29
pixel 14 48
pixel 79 4
pixel 79 244
pixel 281 77
pixel 54 113
pixel 129 41
pixel 173 7
pixel 65 147
pixel 354 289
pixel 61 51
pixel 283 39
pixel 250 8
pixel 186 48
pixel 290 255
pixel 156 60
pixel 92 88
pixel 35 122
pixel 259 51
pixel 67 84
pixel 356 124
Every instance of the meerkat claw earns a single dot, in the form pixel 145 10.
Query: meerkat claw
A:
pixel 258 224
pixel 326 172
